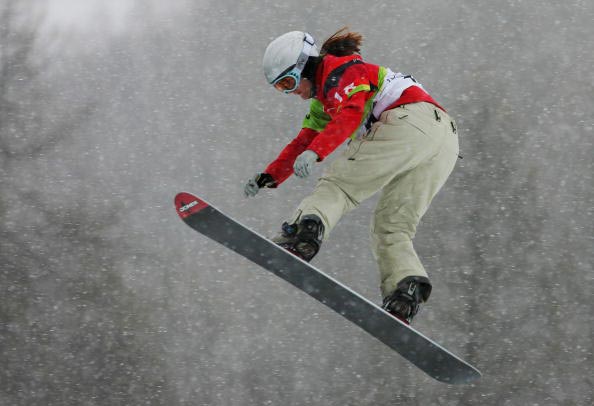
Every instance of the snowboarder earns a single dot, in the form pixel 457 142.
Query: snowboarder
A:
pixel 401 142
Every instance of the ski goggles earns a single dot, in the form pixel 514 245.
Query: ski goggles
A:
pixel 288 80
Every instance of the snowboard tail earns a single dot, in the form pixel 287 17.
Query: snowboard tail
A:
pixel 427 355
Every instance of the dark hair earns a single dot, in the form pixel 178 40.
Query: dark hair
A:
pixel 342 43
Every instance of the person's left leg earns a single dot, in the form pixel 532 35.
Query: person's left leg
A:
pixel 363 169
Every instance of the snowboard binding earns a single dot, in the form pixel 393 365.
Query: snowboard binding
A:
pixel 302 239
pixel 405 301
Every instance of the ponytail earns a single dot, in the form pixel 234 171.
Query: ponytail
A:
pixel 342 43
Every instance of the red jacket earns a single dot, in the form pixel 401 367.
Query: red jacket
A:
pixel 345 91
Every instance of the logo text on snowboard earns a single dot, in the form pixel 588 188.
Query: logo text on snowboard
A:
pixel 188 206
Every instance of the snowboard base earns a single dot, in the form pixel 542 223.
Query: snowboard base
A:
pixel 422 352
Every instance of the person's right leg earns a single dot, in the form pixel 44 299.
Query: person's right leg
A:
pixel 404 200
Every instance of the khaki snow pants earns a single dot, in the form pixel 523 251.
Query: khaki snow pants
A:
pixel 407 155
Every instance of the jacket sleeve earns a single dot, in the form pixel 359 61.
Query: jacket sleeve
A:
pixel 342 126
pixel 321 133
pixel 349 99
pixel 282 167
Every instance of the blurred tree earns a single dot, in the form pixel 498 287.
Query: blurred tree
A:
pixel 70 331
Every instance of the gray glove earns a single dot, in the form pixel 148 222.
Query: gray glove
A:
pixel 304 163
pixel 258 181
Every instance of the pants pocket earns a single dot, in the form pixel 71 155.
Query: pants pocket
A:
pixel 412 118
pixel 370 135
pixel 353 148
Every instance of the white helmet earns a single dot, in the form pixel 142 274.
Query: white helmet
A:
pixel 285 58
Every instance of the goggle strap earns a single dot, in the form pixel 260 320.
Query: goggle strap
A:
pixel 308 43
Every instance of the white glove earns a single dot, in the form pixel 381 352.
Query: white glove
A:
pixel 258 181
pixel 251 187
pixel 304 163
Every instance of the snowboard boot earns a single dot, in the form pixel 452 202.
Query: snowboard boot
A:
pixel 405 301
pixel 302 239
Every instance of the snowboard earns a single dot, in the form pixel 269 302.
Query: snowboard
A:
pixel 422 352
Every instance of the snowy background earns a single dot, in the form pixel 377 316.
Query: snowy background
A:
pixel 109 108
